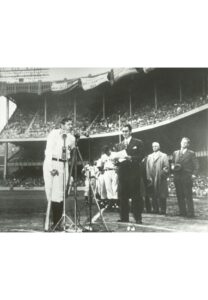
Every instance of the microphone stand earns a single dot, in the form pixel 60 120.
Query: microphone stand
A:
pixel 64 217
pixel 75 182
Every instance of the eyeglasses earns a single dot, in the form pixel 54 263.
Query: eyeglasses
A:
pixel 125 130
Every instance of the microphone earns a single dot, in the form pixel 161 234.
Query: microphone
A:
pixel 86 133
pixel 83 133
pixel 77 135
pixel 64 135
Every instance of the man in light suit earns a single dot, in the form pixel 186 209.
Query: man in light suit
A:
pixel 129 173
pixel 157 168
pixel 185 167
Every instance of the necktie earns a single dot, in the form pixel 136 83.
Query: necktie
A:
pixel 126 143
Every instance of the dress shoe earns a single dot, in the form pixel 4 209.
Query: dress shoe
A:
pixel 182 215
pixel 190 216
pixel 162 213
pixel 122 221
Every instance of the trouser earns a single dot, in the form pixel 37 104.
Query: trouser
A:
pixel 130 189
pixel 57 211
pixel 159 204
pixel 101 189
pixel 111 184
pixel 183 184
pixel 136 208
pixel 147 204
pixel 54 185
pixel 163 205
pixel 90 183
pixel 145 195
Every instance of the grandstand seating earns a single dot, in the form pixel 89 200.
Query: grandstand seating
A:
pixel 28 122
pixel 18 123
pixel 146 115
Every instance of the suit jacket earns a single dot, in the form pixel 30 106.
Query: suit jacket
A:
pixel 187 161
pixel 135 149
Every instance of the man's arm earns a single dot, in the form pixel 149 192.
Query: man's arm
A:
pixel 195 164
pixel 165 164
pixel 148 172
pixel 49 149
pixel 172 161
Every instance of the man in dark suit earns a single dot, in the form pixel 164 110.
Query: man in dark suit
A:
pixel 129 173
pixel 185 167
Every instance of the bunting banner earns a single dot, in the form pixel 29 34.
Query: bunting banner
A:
pixel 147 70
pixel 64 86
pixel 121 72
pixel 88 83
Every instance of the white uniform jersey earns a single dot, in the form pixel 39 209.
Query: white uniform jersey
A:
pixel 110 175
pixel 107 161
pixel 90 171
pixel 55 144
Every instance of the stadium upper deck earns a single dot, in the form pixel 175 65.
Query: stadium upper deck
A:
pixel 163 104
pixel 100 104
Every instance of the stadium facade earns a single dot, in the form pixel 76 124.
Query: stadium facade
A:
pixel 161 104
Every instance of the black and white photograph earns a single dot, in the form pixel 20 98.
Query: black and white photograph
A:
pixel 104 150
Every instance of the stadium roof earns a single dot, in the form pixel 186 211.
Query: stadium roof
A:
pixel 67 85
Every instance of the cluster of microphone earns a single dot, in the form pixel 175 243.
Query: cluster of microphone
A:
pixel 77 135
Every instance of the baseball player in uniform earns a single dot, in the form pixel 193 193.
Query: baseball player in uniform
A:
pixel 110 176
pixel 59 144
pixel 90 172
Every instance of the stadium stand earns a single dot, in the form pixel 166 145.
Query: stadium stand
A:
pixel 30 120
pixel 27 122
pixel 18 123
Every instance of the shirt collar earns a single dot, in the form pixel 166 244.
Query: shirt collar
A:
pixel 127 140
pixel 184 150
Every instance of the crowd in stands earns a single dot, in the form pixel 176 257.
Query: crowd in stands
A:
pixel 28 122
pixel 146 115
pixel 18 123
pixel 12 149
pixel 28 182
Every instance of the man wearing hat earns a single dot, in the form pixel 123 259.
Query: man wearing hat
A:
pixel 185 167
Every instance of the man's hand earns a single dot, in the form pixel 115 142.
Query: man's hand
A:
pixel 149 182
pixel 193 176
pixel 128 157
pixel 54 172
